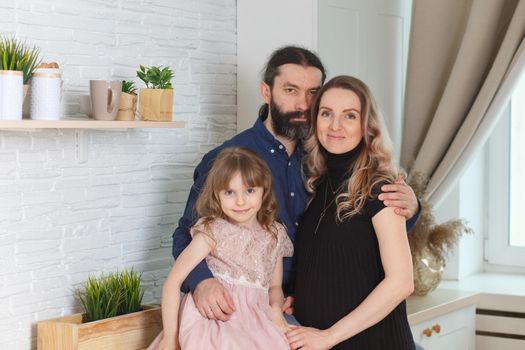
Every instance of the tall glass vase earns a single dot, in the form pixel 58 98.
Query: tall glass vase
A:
pixel 427 272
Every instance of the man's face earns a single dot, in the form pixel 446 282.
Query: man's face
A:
pixel 290 98
pixel 293 125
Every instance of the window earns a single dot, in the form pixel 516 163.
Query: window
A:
pixel 506 185
pixel 517 166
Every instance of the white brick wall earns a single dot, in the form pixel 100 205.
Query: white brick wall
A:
pixel 62 219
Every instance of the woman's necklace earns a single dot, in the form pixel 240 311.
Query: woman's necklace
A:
pixel 325 207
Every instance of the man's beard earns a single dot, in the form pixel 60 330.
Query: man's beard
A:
pixel 284 126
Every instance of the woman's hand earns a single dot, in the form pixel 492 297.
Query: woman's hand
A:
pixel 307 338
pixel 279 319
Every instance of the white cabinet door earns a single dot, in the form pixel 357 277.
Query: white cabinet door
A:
pixel 456 331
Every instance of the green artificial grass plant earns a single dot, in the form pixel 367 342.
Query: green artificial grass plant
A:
pixel 19 56
pixel 111 295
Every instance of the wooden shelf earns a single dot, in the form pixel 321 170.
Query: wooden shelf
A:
pixel 85 123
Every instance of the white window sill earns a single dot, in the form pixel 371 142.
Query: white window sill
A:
pixel 498 291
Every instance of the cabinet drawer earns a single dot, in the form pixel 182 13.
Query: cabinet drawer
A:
pixel 501 324
pixel 453 331
pixel 497 329
pixel 491 343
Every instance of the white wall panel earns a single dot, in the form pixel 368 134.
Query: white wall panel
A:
pixel 369 40
pixel 262 27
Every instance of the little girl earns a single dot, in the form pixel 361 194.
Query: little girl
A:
pixel 244 248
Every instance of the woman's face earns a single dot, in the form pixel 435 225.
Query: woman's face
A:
pixel 339 121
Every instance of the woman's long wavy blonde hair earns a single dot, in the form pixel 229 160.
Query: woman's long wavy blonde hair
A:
pixel 254 173
pixel 373 165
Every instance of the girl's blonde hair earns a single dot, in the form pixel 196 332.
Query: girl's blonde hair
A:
pixel 254 173
pixel 373 165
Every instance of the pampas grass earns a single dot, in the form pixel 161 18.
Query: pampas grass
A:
pixel 430 243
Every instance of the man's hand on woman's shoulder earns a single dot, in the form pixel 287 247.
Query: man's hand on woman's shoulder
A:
pixel 400 196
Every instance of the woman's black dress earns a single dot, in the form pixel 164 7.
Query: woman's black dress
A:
pixel 340 265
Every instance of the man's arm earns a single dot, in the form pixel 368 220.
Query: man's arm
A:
pixel 182 237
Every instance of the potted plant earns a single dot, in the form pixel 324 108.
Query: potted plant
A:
pixel 156 100
pixel 17 61
pixel 113 319
pixel 26 60
pixel 430 243
pixel 128 99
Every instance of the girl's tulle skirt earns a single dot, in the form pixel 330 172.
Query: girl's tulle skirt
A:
pixel 249 327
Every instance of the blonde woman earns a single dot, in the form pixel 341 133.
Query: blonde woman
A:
pixel 354 268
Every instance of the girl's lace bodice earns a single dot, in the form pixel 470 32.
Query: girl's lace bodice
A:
pixel 244 256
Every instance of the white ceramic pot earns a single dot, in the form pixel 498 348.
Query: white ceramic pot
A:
pixel 11 95
pixel 46 92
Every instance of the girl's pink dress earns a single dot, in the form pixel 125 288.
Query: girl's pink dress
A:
pixel 243 261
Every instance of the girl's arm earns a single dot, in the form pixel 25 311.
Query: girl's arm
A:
pixel 276 292
pixel 195 252
pixel 393 289
pixel 276 295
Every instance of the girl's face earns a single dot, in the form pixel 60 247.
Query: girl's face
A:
pixel 241 203
pixel 339 121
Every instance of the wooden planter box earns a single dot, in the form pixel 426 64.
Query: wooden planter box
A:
pixel 131 331
pixel 156 104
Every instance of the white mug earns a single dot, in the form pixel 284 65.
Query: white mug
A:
pixel 46 92
pixel 11 95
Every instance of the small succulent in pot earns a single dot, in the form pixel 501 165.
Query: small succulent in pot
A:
pixel 156 100
pixel 129 87
pixel 128 100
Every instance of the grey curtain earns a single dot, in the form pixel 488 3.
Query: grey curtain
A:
pixel 464 59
